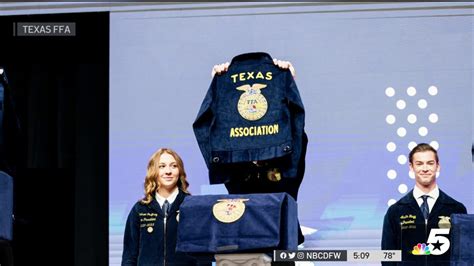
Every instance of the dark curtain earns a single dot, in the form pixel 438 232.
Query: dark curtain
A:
pixel 58 152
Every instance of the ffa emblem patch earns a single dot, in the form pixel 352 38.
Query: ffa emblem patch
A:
pixel 444 222
pixel 229 210
pixel 149 229
pixel 252 105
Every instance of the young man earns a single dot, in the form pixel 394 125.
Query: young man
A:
pixel 416 218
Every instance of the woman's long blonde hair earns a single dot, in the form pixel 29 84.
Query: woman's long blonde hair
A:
pixel 151 185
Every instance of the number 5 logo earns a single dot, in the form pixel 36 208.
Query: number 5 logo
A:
pixel 438 244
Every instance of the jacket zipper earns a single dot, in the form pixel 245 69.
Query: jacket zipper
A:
pixel 164 239
pixel 426 237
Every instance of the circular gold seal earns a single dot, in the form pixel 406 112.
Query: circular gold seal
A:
pixel 252 105
pixel 228 210
pixel 149 229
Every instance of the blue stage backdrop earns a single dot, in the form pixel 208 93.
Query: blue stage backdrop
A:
pixel 375 80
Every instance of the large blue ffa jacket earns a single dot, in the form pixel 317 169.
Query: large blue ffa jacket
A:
pixel 253 112
pixel 147 241
pixel 267 222
pixel 404 227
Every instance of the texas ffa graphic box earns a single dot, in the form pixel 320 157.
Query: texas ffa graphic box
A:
pixel 237 222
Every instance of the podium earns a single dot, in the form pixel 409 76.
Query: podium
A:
pixel 462 239
pixel 237 223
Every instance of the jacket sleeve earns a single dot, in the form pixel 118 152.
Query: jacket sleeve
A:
pixel 131 239
pixel 204 120
pixel 294 98
pixel 297 113
pixel 389 235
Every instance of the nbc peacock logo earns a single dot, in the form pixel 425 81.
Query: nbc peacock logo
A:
pixel 421 249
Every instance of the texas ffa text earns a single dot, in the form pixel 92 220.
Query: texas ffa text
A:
pixel 46 29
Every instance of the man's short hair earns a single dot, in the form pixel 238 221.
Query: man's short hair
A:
pixel 421 148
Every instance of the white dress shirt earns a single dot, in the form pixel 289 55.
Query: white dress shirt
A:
pixel 170 199
pixel 433 196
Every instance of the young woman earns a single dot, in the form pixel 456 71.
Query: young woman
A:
pixel 152 225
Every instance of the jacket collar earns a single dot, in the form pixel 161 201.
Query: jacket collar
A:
pixel 174 207
pixel 443 199
pixel 249 58
pixel 409 200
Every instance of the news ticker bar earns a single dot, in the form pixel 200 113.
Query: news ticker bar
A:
pixel 338 255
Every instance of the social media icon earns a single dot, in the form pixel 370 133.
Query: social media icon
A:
pixel 300 255
pixel 291 255
pixel 283 255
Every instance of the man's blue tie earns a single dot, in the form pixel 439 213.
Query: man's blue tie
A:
pixel 424 207
pixel 166 207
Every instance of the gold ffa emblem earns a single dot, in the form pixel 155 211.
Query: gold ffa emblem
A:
pixel 149 229
pixel 444 222
pixel 229 210
pixel 252 105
